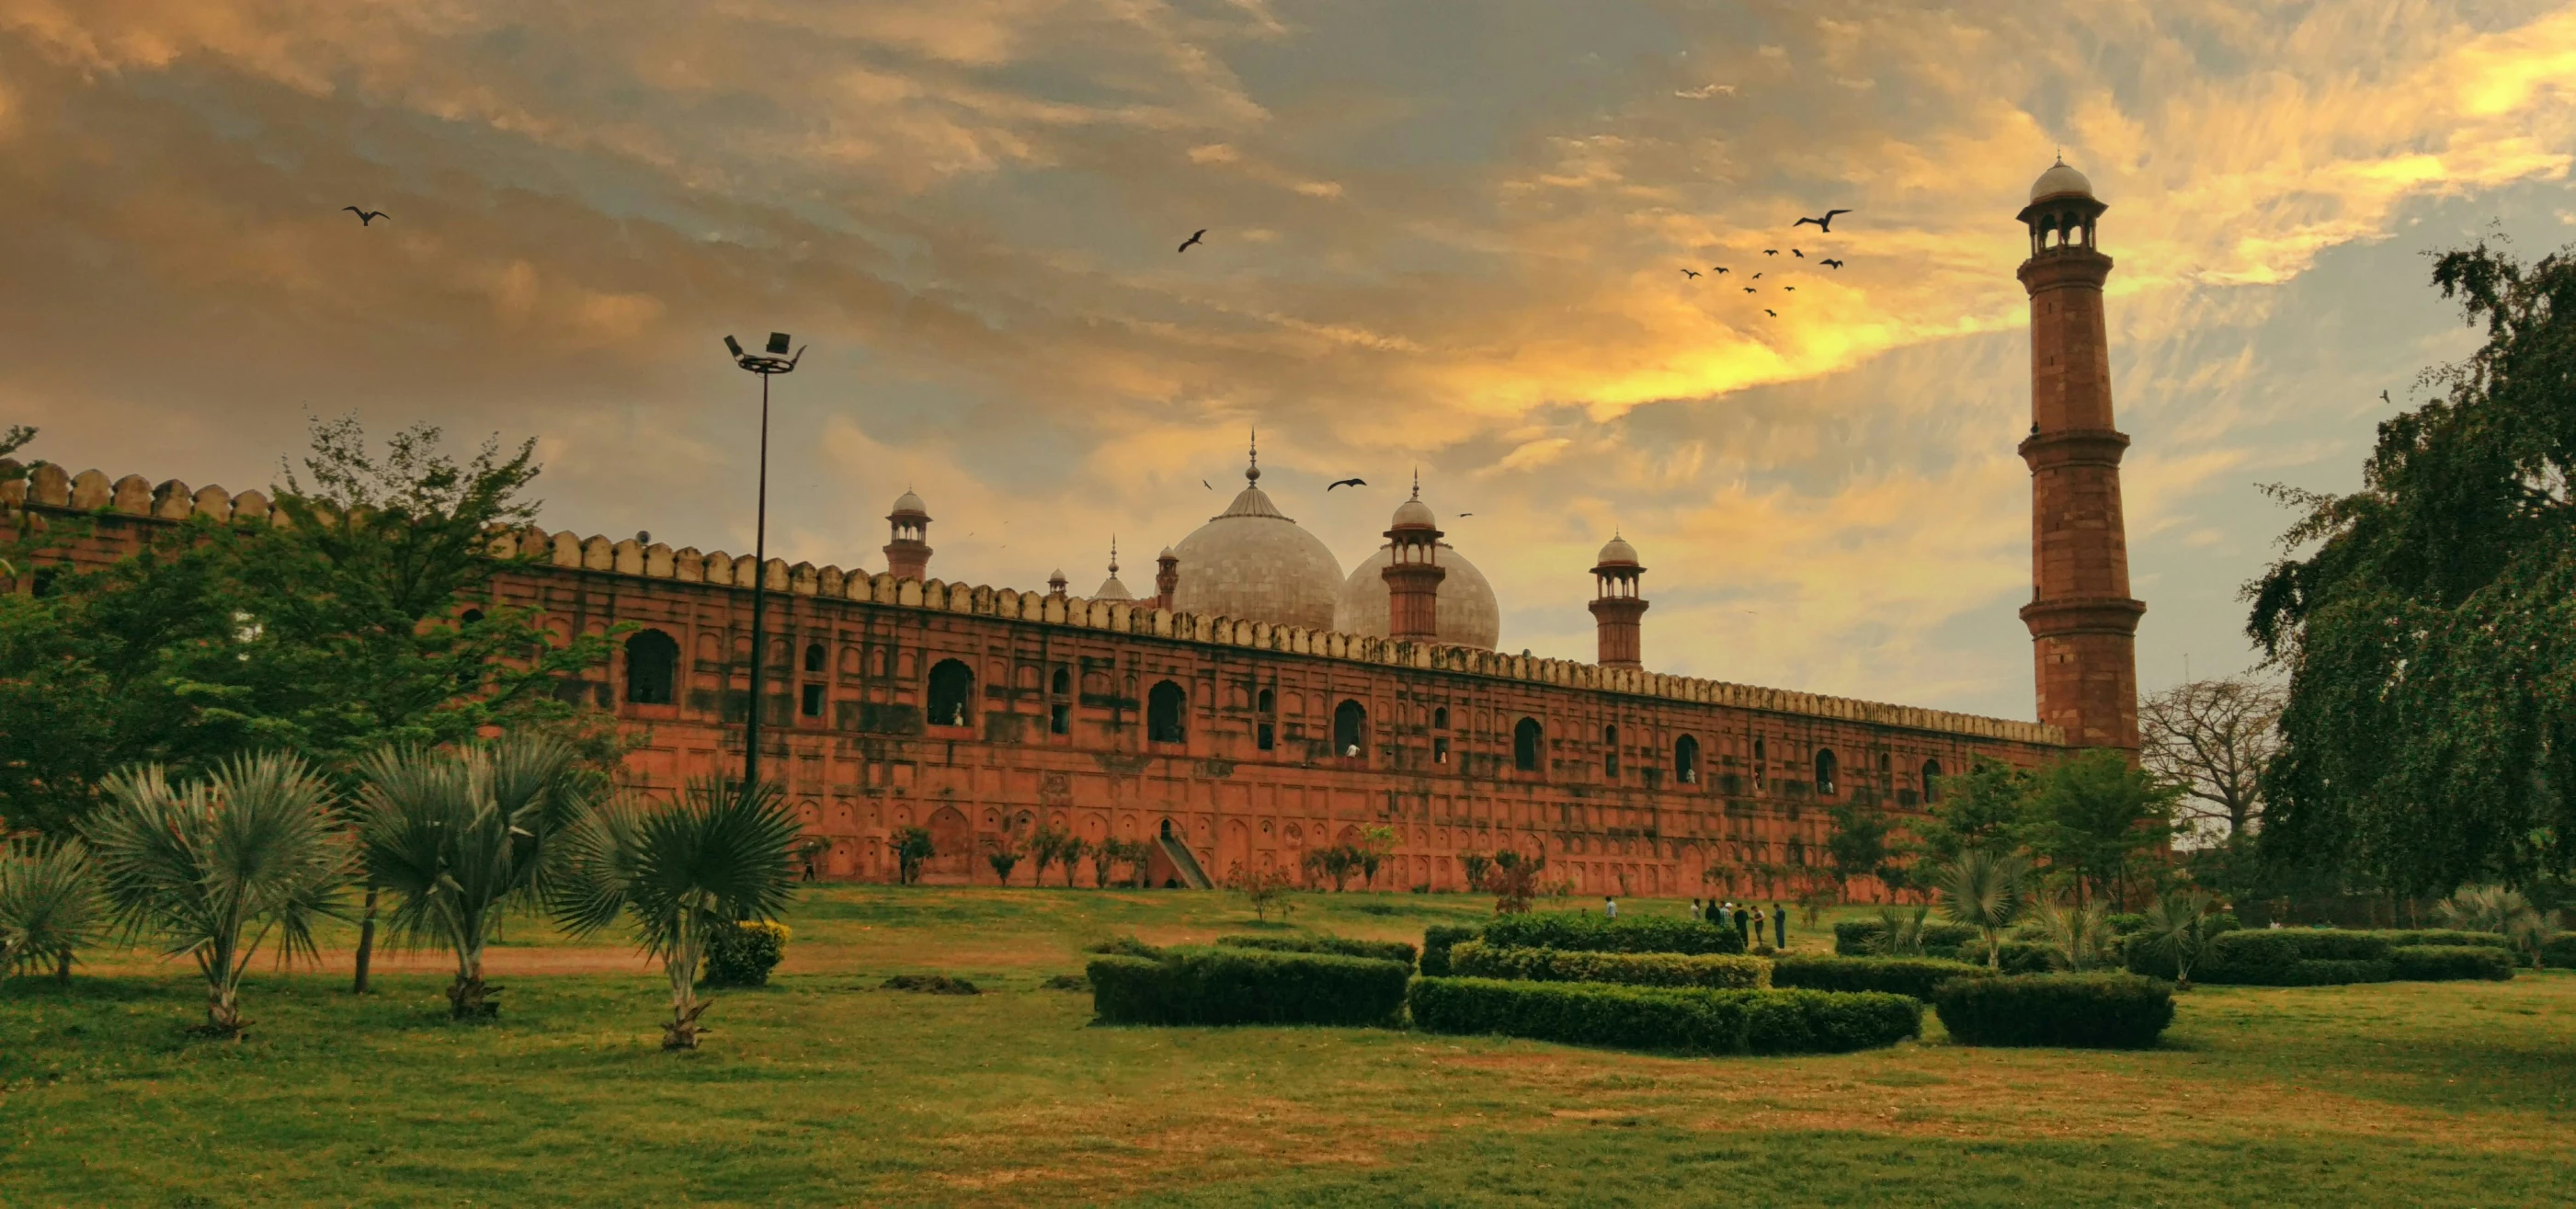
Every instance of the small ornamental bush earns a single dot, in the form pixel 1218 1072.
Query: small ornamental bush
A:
pixel 1229 985
pixel 1663 1018
pixel 2088 1011
pixel 2449 963
pixel 1581 932
pixel 1711 971
pixel 1436 943
pixel 1380 950
pixel 1909 976
pixel 1858 937
pixel 743 954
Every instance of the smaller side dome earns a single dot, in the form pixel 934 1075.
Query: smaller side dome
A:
pixel 909 504
pixel 1617 553
pixel 2060 179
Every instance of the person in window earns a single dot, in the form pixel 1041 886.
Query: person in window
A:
pixel 1352 750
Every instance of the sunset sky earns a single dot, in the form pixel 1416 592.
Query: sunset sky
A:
pixel 1439 235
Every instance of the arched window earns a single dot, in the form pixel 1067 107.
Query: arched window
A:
pixel 813 656
pixel 652 667
pixel 1164 707
pixel 1265 732
pixel 1350 729
pixel 1063 682
pixel 1440 718
pixel 1266 702
pixel 1525 743
pixel 1686 760
pixel 952 693
pixel 1931 782
pixel 1825 772
pixel 1610 761
pixel 1761 763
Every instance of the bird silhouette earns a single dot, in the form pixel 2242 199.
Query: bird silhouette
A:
pixel 1204 483
pixel 1770 251
pixel 1825 224
pixel 1718 269
pixel 1757 277
pixel 1830 263
pixel 1790 288
pixel 1195 237
pixel 1690 273
pixel 1772 313
pixel 1346 483
pixel 365 217
pixel 1748 289
pixel 1798 253
pixel 1466 514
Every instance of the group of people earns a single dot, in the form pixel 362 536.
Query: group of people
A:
pixel 1747 920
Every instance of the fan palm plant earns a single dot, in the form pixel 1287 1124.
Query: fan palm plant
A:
pixel 723 853
pixel 214 867
pixel 2179 924
pixel 1900 933
pixel 1986 890
pixel 49 904
pixel 459 836
pixel 2077 938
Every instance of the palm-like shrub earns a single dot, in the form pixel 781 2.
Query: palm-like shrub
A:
pixel 720 855
pixel 214 867
pixel 2077 938
pixel 49 904
pixel 459 836
pixel 1901 933
pixel 1986 890
pixel 2179 924
pixel 2499 909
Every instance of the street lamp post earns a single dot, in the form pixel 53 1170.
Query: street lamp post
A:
pixel 768 363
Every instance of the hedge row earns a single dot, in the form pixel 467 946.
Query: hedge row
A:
pixel 2019 956
pixel 1711 971
pixel 1662 1018
pixel 1913 977
pixel 2092 1011
pixel 1582 932
pixel 1437 940
pixel 1224 985
pixel 2560 954
pixel 1859 937
pixel 1340 946
pixel 2446 963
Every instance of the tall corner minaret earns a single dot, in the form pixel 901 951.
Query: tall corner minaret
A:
pixel 1616 607
pixel 1414 573
pixel 908 554
pixel 1167 578
pixel 2083 622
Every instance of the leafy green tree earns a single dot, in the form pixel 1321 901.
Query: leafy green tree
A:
pixel 1375 846
pixel 460 835
pixel 2428 620
pixel 1858 846
pixel 1978 808
pixel 724 853
pixel 49 904
pixel 1075 848
pixel 214 867
pixel 912 846
pixel 1985 889
pixel 1047 844
pixel 2094 817
pixel 1004 857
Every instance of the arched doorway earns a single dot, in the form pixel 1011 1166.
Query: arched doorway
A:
pixel 952 845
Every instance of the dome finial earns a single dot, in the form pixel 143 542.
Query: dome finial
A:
pixel 1113 556
pixel 1417 482
pixel 1252 473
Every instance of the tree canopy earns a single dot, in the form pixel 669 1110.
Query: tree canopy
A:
pixel 2428 620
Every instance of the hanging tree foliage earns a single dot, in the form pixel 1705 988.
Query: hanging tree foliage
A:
pixel 2429 737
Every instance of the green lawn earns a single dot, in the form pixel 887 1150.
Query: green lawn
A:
pixel 822 1089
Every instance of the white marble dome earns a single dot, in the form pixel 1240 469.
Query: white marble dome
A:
pixel 1254 563
pixel 909 504
pixel 2060 179
pixel 1616 553
pixel 1468 613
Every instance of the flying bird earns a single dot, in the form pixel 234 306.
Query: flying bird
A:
pixel 1690 273
pixel 1718 269
pixel 1346 483
pixel 1790 288
pixel 1770 251
pixel 1830 263
pixel 1466 514
pixel 1825 224
pixel 1797 253
pixel 1204 483
pixel 1748 289
pixel 1772 313
pixel 1757 277
pixel 1195 237
pixel 365 217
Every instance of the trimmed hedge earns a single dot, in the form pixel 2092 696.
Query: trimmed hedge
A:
pixel 1437 940
pixel 2448 963
pixel 2019 956
pixel 1913 977
pixel 1222 985
pixel 1664 1018
pixel 1712 971
pixel 2088 1011
pixel 1580 932
pixel 1853 937
pixel 1342 946
pixel 2560 954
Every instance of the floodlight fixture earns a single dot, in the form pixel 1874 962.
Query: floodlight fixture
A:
pixel 769 364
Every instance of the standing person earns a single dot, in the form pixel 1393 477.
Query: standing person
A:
pixel 1744 925
pixel 1780 924
pixel 1758 929
pixel 1609 906
pixel 1726 914
pixel 1695 912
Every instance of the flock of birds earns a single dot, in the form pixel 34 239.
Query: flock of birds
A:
pixel 1824 225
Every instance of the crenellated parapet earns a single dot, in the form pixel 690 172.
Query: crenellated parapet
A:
pixel 49 487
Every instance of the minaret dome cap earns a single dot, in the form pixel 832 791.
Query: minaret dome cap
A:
pixel 1617 553
pixel 909 504
pixel 2060 179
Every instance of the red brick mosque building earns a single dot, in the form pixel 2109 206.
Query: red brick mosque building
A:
pixel 1261 702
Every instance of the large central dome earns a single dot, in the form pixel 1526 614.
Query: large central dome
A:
pixel 1253 563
